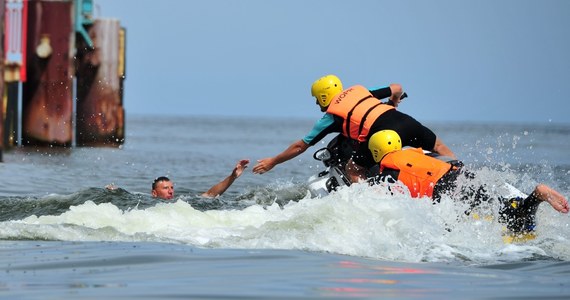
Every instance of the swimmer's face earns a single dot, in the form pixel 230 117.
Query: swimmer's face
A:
pixel 163 189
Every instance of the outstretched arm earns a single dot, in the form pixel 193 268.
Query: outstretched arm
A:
pixel 266 164
pixel 223 185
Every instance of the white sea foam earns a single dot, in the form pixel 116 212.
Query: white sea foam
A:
pixel 358 221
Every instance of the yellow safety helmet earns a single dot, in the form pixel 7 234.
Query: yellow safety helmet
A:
pixel 384 142
pixel 325 88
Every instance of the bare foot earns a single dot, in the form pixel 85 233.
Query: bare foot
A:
pixel 554 198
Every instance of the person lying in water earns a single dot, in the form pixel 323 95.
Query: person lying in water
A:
pixel 163 187
pixel 425 175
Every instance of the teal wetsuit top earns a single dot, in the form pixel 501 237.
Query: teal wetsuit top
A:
pixel 330 123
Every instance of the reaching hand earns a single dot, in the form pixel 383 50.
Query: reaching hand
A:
pixel 263 165
pixel 241 165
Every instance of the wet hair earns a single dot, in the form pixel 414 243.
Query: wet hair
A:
pixel 159 179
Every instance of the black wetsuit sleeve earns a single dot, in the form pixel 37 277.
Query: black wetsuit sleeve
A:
pixel 382 93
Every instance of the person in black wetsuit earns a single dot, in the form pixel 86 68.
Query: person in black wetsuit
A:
pixel 425 175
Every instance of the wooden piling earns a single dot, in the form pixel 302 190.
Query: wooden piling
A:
pixel 100 74
pixel 47 105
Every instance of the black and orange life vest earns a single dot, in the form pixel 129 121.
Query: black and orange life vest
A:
pixel 419 172
pixel 359 109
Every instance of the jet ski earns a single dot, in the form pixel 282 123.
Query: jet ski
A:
pixel 336 155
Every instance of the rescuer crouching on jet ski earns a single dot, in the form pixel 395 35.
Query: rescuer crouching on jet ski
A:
pixel 425 175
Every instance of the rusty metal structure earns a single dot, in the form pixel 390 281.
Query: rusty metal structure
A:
pixel 47 99
pixel 64 74
pixel 100 113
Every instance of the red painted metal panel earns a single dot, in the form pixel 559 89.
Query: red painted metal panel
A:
pixel 47 94
pixel 15 24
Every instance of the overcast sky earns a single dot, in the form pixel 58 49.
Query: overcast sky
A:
pixel 477 60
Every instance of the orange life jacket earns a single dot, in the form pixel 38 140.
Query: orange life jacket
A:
pixel 359 109
pixel 419 172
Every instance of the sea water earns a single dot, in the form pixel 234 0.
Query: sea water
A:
pixel 64 235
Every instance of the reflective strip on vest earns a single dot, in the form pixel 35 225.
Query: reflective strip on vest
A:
pixel 359 109
pixel 418 171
